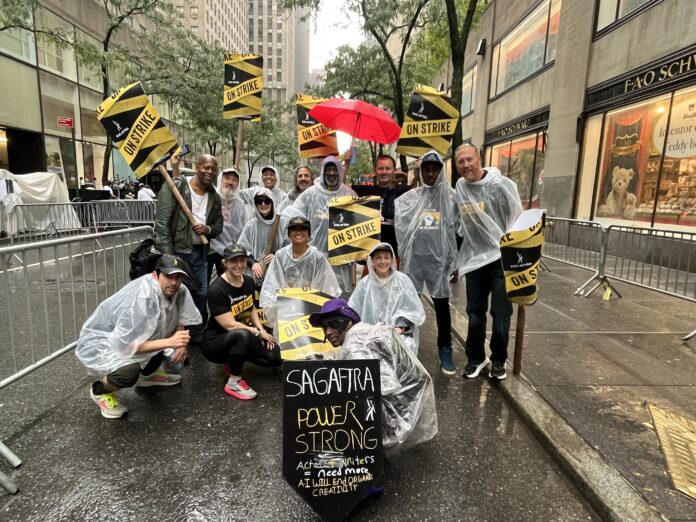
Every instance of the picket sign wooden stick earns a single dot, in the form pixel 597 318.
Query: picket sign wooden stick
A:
pixel 168 179
pixel 519 340
pixel 238 152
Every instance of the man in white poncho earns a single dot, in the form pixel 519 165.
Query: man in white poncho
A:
pixel 409 414
pixel 256 233
pixel 488 204
pixel 426 221
pixel 269 180
pixel 124 341
pixel 387 296
pixel 234 217
pixel 298 265
pixel 313 204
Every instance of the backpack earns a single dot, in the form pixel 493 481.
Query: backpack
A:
pixel 143 259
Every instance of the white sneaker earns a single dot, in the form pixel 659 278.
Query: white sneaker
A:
pixel 109 405
pixel 473 370
pixel 239 388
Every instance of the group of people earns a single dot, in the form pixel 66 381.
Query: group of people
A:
pixel 262 240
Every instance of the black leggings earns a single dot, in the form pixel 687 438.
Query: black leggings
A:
pixel 239 346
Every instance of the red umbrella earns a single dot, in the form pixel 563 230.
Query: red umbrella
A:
pixel 357 118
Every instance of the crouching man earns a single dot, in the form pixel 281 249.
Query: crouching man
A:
pixel 124 341
pixel 409 416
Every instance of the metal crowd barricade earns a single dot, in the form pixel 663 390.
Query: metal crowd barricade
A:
pixel 58 284
pixel 31 222
pixel 662 260
pixel 110 214
pixel 578 243
pixel 140 212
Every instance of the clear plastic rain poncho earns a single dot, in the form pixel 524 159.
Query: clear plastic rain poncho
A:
pixel 255 233
pixel 234 217
pixel 426 220
pixel 392 301
pixel 137 313
pixel 409 415
pixel 311 270
pixel 313 204
pixel 487 208
pixel 248 194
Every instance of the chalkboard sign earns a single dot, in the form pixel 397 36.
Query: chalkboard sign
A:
pixel 332 433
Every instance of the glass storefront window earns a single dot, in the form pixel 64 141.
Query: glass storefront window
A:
pixel 18 43
pixel 522 160
pixel 59 99
pixel 612 10
pixel 648 162
pixel 51 56
pixel 529 47
pixel 468 92
pixel 60 158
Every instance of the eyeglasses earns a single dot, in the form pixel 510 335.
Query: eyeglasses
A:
pixel 335 323
pixel 263 201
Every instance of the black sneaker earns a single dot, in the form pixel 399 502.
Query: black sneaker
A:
pixel 473 369
pixel 498 371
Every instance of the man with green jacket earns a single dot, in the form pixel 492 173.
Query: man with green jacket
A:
pixel 175 235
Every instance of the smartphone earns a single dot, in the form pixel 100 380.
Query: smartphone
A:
pixel 184 151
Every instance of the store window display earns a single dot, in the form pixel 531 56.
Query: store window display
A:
pixel 648 168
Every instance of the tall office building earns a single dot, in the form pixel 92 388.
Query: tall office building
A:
pixel 222 21
pixel 302 28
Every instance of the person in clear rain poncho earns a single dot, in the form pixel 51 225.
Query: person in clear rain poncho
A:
pixel 488 204
pixel 256 233
pixel 409 414
pixel 426 221
pixel 234 217
pixel 298 265
pixel 304 178
pixel 269 180
pixel 313 204
pixel 386 296
pixel 125 340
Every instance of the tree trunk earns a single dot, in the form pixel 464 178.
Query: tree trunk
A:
pixel 109 143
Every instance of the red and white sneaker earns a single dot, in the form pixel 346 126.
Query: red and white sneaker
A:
pixel 237 387
pixel 109 405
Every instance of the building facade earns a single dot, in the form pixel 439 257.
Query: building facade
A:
pixel 56 86
pixel 590 106
pixel 222 21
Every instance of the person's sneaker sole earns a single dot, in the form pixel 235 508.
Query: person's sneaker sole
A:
pixel 480 367
pixel 499 377
pixel 448 372
pixel 148 384
pixel 238 395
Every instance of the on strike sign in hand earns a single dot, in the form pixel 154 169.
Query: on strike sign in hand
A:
pixel 332 433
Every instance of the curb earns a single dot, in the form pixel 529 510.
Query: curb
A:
pixel 611 495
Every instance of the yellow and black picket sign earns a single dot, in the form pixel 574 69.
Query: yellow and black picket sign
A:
pixel 243 86
pixel 136 129
pixel 520 249
pixel 298 339
pixel 355 225
pixel 315 139
pixel 429 124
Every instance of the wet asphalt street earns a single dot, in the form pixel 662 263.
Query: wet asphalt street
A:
pixel 192 453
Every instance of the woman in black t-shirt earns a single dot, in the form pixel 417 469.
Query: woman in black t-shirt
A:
pixel 234 334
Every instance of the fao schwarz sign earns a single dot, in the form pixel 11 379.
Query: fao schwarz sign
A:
pixel 655 77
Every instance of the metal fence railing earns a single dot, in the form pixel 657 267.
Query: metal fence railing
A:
pixel 140 212
pixel 661 260
pixel 32 222
pixel 46 297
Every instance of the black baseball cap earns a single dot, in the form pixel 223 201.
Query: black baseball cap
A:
pixel 232 251
pixel 431 157
pixel 170 264
pixel 300 222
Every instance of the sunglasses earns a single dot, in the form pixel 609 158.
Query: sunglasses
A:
pixel 336 324
pixel 263 201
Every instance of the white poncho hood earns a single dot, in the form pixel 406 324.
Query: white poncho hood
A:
pixel 255 233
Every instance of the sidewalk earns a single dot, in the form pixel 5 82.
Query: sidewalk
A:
pixel 598 364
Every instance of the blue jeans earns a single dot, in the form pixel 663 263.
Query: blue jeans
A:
pixel 199 266
pixel 487 281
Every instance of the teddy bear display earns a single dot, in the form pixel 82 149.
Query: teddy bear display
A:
pixel 620 202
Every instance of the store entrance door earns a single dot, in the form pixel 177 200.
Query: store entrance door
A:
pixel 21 151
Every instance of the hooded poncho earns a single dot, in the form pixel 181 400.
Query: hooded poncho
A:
pixel 409 415
pixel 487 208
pixel 234 217
pixel 255 233
pixel 248 194
pixel 137 313
pixel 311 270
pixel 313 204
pixel 392 301
pixel 426 220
